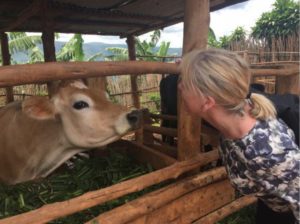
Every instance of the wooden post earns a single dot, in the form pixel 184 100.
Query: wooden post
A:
pixel 261 54
pixel 49 54
pixel 6 61
pixel 133 80
pixel 196 25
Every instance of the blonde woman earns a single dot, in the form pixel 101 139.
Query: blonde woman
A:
pixel 257 149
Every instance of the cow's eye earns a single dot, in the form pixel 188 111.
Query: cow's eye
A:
pixel 80 105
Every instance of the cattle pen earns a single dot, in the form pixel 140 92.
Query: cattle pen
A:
pixel 193 197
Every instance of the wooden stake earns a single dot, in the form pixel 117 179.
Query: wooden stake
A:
pixel 196 26
pixel 6 61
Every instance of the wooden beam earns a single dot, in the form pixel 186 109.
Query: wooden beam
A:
pixel 6 61
pixel 161 130
pixel 276 72
pixel 144 154
pixel 97 23
pixel 51 71
pixel 196 26
pixel 154 200
pixel 26 14
pixel 59 209
pixel 191 206
pixel 227 210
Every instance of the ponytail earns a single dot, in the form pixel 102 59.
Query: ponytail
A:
pixel 262 108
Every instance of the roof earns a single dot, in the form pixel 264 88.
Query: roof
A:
pixel 104 17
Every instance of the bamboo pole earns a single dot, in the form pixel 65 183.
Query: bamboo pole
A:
pixel 227 210
pixel 154 200
pixel 51 71
pixel 196 26
pixel 6 61
pixel 59 209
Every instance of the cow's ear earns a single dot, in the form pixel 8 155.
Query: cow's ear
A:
pixel 40 108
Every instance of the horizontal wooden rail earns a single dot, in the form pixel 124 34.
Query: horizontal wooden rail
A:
pixel 164 117
pixel 154 200
pixel 51 71
pixel 223 212
pixel 275 72
pixel 59 209
pixel 161 130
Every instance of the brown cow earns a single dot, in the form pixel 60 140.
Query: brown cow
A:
pixel 39 134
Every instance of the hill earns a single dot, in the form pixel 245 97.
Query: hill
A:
pixel 89 50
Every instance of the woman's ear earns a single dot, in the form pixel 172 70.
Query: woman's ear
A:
pixel 209 103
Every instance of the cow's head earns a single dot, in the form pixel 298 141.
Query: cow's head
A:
pixel 88 118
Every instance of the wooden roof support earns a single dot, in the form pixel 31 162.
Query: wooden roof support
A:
pixel 49 54
pixel 6 61
pixel 196 26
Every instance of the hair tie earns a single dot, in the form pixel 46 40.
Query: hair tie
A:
pixel 249 95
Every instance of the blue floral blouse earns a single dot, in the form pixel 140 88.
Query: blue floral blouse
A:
pixel 266 162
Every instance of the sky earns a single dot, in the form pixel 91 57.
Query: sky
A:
pixel 223 22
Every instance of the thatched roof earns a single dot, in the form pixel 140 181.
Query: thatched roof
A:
pixel 105 17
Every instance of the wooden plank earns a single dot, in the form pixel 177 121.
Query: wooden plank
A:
pixel 6 61
pixel 191 206
pixel 154 200
pixel 227 210
pixel 51 71
pixel 145 154
pixel 59 209
pixel 164 148
pixel 196 26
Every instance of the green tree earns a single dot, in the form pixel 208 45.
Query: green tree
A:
pixel 143 48
pixel 22 42
pixel 72 50
pixel 281 21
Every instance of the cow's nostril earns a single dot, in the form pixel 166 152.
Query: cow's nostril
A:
pixel 133 117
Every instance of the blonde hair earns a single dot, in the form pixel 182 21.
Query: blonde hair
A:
pixel 225 76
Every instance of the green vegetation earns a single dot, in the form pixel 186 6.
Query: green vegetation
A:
pixel 87 175
pixel 281 21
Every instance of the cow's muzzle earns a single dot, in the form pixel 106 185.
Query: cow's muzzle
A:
pixel 134 118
